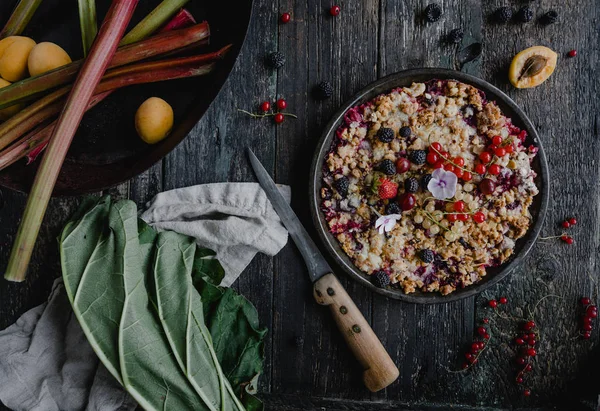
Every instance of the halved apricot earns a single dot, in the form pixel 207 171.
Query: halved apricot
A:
pixel 532 66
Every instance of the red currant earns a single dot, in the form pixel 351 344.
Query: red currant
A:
pixel 467 176
pixel 266 106
pixel 281 104
pixel 503 300
pixel 479 217
pixel 587 327
pixel 531 342
pixel 459 206
pixel 481 345
pixel 439 164
pixel 485 157
pixel 335 10
pixel 480 168
pixel 432 157
pixel 459 161
pixel 572 53
pixel 451 218
pixel 486 320
pixel 279 118
pixel 475 347
pixel 528 368
pixel 436 146
pixel 495 169
pixel 509 149
pixel 526 392
pixel 531 336
pixel 519 341
pixel 566 224
pixel 519 380
pixel 463 217
pixel 587 335
pixel 285 18
pixel 493 303
pixel 572 221
pixel 496 140
pixel 569 240
pixel 465 366
pixel 458 172
pixel 402 165
pixel 591 311
pixel 587 320
pixel 481 331
pixel 500 152
pixel 529 325
pixel 486 336
pixel 469 356
pixel 585 301
pixel 521 360
pixel 449 167
pixel 531 352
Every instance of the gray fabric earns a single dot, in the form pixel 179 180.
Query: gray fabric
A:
pixel 46 363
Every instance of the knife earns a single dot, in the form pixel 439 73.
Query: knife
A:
pixel 379 369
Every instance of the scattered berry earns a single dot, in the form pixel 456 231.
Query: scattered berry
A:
pixel 433 13
pixel 385 135
pixel 479 217
pixel 275 60
pixel 486 320
pixel 528 368
pixel 521 360
pixel 475 347
pixel 411 185
pixel 567 239
pixel 381 279
pixel 455 36
pixel 387 189
pixel 285 18
pixel 592 311
pixel 407 201
pixel 495 169
pixel 426 256
pixel 266 106
pixel 572 53
pixel 572 221
pixel 585 301
pixel 519 380
pixel 524 15
pixel 503 300
pixel 503 15
pixel 279 118
pixel 487 186
pixel 402 165
pixel 341 185
pixel 549 18
pixel 335 10
pixel 281 104
pixel 418 157
pixel 531 352
pixel 519 341
pixel 425 181
pixel 387 167
pixel 323 90
pixel 509 148
pixel 481 331
pixel 405 132
pixel 496 140
pixel 566 224
pixel 493 303
pixel 392 208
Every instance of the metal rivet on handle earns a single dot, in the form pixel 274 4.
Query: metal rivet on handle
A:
pixel 330 291
pixel 343 309
pixel 356 328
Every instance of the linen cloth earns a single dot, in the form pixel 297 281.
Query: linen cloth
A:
pixel 46 363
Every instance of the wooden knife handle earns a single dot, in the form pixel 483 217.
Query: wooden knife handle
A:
pixel 380 370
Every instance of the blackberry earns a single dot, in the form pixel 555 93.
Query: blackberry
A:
pixel 381 279
pixel 405 132
pixel 455 36
pixel 323 90
pixel 341 185
pixel 433 13
pixel 387 167
pixel 393 208
pixel 549 18
pixel 525 14
pixel 411 185
pixel 425 181
pixel 503 15
pixel 418 157
pixel 385 135
pixel 426 256
pixel 275 60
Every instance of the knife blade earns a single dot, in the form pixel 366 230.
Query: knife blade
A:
pixel 379 369
pixel 316 264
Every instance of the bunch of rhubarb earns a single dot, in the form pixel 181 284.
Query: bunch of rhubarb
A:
pixel 156 50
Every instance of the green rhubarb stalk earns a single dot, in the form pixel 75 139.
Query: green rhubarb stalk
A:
pixel 88 24
pixel 147 72
pixel 161 44
pixel 91 73
pixel 20 18
pixel 154 21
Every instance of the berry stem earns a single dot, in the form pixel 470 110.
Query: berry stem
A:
pixel 254 115
pixel 433 220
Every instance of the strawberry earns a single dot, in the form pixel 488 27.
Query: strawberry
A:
pixel 387 189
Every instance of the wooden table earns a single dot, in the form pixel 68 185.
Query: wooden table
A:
pixel 308 367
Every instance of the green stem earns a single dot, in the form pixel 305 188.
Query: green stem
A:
pixel 88 24
pixel 253 115
pixel 102 52
pixel 154 21
pixel 20 18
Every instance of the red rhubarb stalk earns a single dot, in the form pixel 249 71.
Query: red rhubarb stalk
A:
pixel 160 44
pixel 153 21
pixel 97 62
pixel 181 20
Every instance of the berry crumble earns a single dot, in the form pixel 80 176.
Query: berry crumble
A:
pixel 429 184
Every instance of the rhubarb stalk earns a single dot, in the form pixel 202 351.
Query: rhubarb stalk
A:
pixel 88 24
pixel 20 18
pixel 181 20
pixel 33 87
pixel 153 21
pixel 91 73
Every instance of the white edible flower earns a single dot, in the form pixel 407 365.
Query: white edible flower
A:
pixel 386 223
pixel 442 184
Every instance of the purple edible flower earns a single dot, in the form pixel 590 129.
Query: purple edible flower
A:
pixel 442 184
pixel 386 223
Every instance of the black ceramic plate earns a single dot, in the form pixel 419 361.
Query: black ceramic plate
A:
pixel 510 109
pixel 106 150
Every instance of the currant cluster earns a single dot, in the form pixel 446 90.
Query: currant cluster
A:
pixel 526 343
pixel 568 224
pixel 590 311
pixel 271 110
pixel 476 348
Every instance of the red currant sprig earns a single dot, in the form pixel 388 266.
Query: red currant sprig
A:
pixel 265 108
pixel 590 311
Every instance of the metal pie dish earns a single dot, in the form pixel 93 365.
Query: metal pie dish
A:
pixel 509 108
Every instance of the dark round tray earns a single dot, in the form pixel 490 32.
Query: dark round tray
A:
pixel 106 150
pixel 405 78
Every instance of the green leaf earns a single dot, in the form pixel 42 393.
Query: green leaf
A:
pixel 141 298
pixel 88 24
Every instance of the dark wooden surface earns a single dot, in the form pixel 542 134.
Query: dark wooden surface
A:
pixel 308 366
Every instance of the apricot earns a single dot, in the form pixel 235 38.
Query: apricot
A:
pixel 13 59
pixel 46 57
pixel 154 120
pixel 8 112
pixel 532 66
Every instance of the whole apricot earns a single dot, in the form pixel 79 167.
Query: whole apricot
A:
pixel 46 57
pixel 154 120
pixel 13 60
